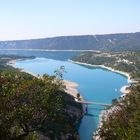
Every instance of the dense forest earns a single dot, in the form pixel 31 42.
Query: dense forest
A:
pixel 34 108
pixel 106 42
pixel 122 119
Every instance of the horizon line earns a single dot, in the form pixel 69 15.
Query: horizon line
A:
pixel 55 36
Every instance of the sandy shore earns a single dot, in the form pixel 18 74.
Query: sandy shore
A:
pixel 12 63
pixel 124 88
pixel 71 88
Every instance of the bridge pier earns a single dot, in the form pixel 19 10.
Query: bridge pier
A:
pixel 86 108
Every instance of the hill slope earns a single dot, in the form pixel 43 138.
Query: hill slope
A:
pixel 109 42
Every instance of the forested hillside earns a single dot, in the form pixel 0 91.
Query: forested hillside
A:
pixel 34 108
pixel 123 61
pixel 109 42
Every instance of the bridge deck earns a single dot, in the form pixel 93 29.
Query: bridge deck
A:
pixel 95 103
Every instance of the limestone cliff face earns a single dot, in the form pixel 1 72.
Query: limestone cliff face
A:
pixel 106 42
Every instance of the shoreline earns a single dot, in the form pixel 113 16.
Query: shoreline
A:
pixel 70 86
pixel 123 89
pixel 12 63
pixel 53 50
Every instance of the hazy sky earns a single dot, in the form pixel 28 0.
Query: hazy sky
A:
pixel 24 19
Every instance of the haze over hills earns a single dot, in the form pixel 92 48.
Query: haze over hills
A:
pixel 107 42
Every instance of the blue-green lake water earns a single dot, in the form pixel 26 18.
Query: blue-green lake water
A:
pixel 95 84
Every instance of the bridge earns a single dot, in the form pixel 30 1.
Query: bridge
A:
pixel 95 103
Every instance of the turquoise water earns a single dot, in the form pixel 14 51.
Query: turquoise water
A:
pixel 95 84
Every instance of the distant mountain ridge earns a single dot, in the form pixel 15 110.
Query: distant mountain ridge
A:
pixel 107 42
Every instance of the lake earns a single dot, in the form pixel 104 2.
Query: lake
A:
pixel 95 84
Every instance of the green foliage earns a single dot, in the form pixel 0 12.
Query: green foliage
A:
pixel 32 136
pixel 33 108
pixel 30 105
pixel 26 102
pixel 124 122
pixel 122 61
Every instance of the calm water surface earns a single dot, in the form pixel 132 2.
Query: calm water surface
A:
pixel 95 84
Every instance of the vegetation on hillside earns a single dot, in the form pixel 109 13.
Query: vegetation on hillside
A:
pixel 122 61
pixel 4 59
pixel 123 118
pixel 32 108
pixel 123 122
